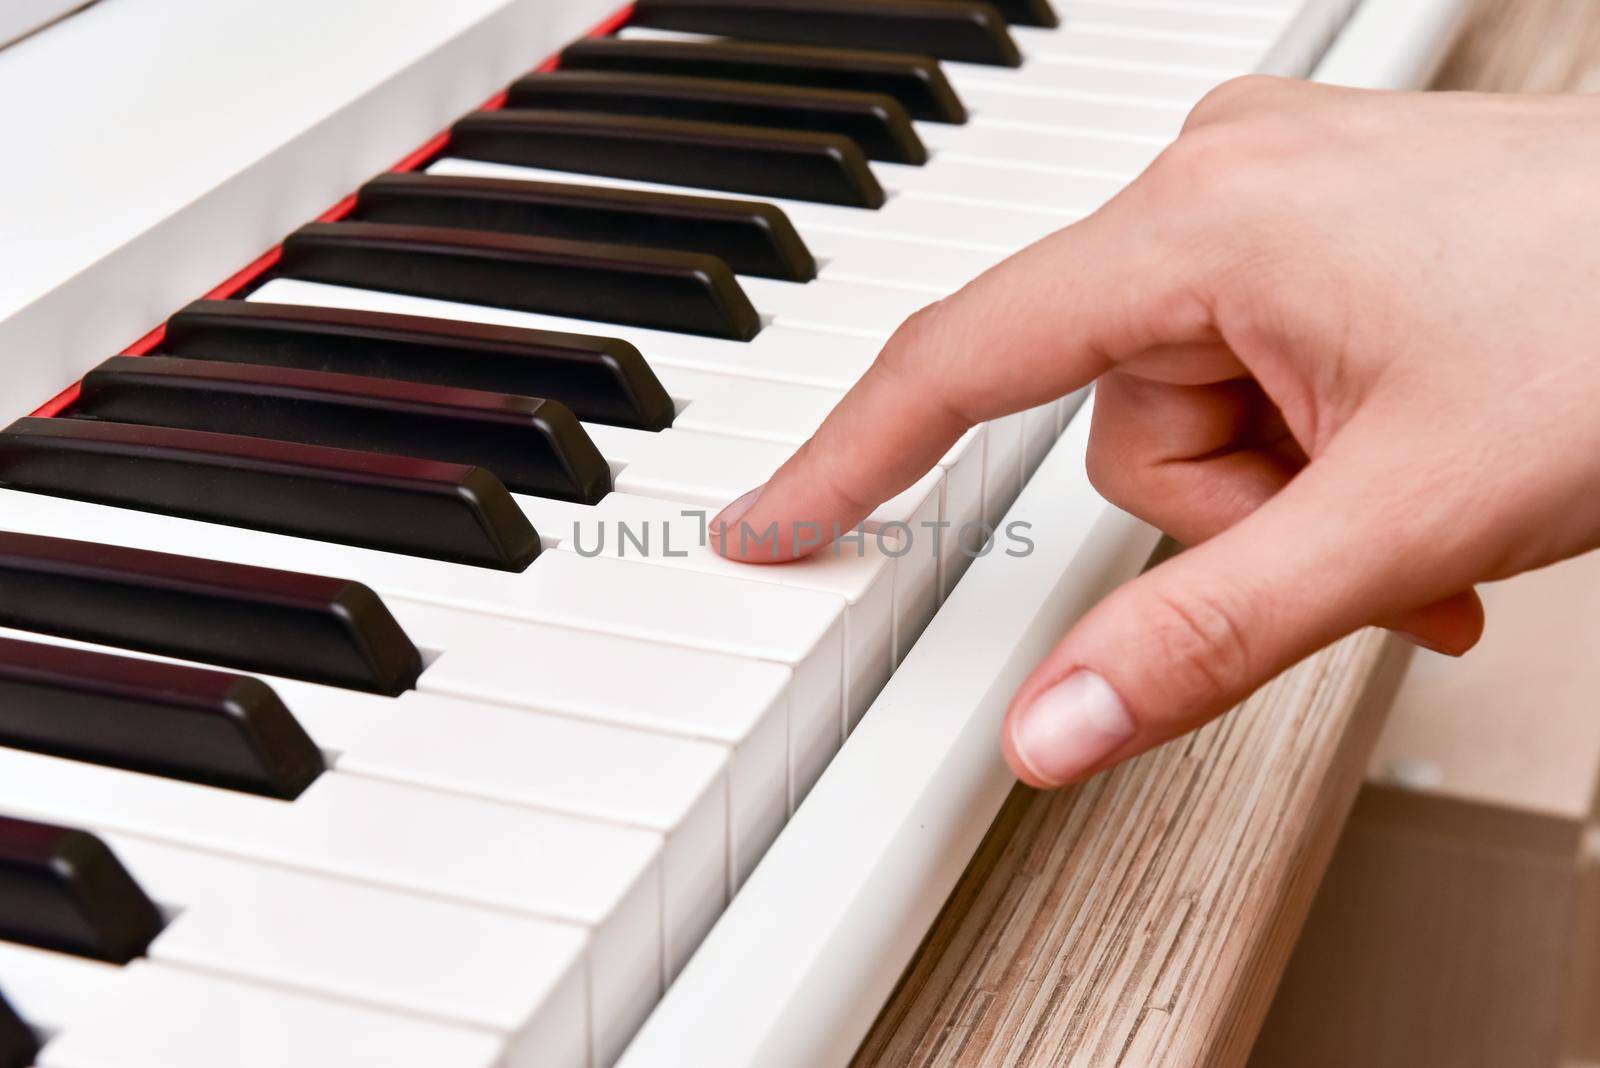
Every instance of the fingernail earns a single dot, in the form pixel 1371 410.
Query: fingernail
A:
pixel 1070 728
pixel 735 511
pixel 1419 640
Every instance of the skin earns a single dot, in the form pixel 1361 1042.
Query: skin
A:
pixel 1344 347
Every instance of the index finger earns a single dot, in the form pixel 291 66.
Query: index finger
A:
pixel 1035 327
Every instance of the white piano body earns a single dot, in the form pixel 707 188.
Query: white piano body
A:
pixel 155 148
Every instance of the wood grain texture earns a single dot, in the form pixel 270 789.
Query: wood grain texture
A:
pixel 1527 46
pixel 1144 917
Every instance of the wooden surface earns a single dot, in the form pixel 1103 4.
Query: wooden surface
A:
pixel 1145 918
pixel 1528 46
pixel 1443 934
pixel 1516 723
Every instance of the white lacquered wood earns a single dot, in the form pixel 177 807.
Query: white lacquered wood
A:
pixel 519 977
pixel 708 696
pixel 19 18
pixel 576 764
pixel 49 990
pixel 602 877
pixel 150 161
pixel 788 628
pixel 81 1005
pixel 162 1017
pixel 923 757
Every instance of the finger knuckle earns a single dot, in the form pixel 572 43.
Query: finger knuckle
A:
pixel 918 335
pixel 1234 96
pixel 1215 168
pixel 1206 646
pixel 1111 473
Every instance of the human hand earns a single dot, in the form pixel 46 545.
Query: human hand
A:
pixel 1344 346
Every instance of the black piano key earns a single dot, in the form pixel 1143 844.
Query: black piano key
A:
pixel 62 889
pixel 750 237
pixel 179 722
pixel 532 445
pixel 944 29
pixel 419 507
pixel 794 164
pixel 877 123
pixel 916 81
pixel 603 380
pixel 328 630
pixel 682 291
pixel 1028 13
pixel 18 1046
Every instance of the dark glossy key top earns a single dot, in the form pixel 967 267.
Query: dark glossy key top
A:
pixel 419 507
pixel 532 445
pixel 750 237
pixel 602 379
pixel 944 29
pixel 163 719
pixel 915 81
pixel 1028 13
pixel 18 1046
pixel 253 618
pixel 877 123
pixel 62 889
pixel 794 164
pixel 682 291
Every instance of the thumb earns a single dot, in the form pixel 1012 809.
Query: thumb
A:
pixel 1191 638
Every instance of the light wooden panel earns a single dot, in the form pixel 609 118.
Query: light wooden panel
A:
pixel 1442 935
pixel 1528 46
pixel 1143 919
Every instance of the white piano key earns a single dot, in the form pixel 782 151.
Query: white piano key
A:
pixel 163 1017
pixel 1063 76
pixel 68 998
pixel 791 414
pixel 998 106
pixel 49 990
pixel 673 786
pixel 602 877
pixel 1039 432
pixel 1170 58
pixel 909 507
pixel 969 182
pixel 1178 68
pixel 1161 19
pixel 756 409
pixel 793 348
pixel 653 774
pixel 963 504
pixel 912 218
pixel 1095 113
pixel 711 470
pixel 797 630
pixel 1002 470
pixel 1046 150
pixel 856 570
pixel 829 361
pixel 696 694
pixel 937 270
pixel 856 308
pixel 522 978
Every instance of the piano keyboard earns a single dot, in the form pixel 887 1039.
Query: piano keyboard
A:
pixel 370 693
